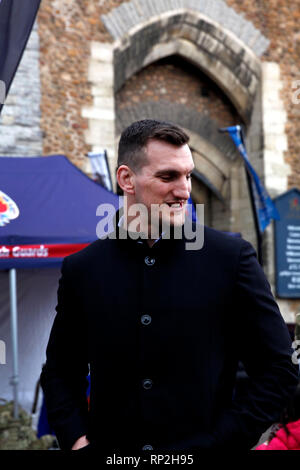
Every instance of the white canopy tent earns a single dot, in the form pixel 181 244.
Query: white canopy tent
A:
pixel 36 301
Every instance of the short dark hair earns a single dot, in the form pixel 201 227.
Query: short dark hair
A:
pixel 135 137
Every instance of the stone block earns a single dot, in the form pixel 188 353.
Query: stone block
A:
pixel 100 132
pixel 178 4
pixel 128 14
pixel 248 33
pixel 160 50
pixel 230 20
pixel 142 9
pixel 218 11
pixel 275 119
pixel 139 12
pixel 26 149
pixel 271 97
pixel 119 20
pixel 149 8
pixel 29 120
pixel 253 85
pixel 276 169
pixel 6 139
pixel 98 113
pixel 208 43
pixel 188 32
pixel 277 182
pixel 271 71
pixel 166 5
pixel 260 46
pixel 12 110
pixel 102 52
pixel 7 120
pixel 243 74
pixel 157 7
pixel 28 134
pixel 100 73
pixel 104 102
pixel 233 22
pixel 117 23
pixel 275 142
pixel 106 90
pixel 110 25
pixel 202 6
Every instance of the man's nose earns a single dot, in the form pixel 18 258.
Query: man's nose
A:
pixel 182 188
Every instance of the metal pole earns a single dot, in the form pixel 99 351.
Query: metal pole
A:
pixel 254 211
pixel 14 336
pixel 256 223
pixel 108 170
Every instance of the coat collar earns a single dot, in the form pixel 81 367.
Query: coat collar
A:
pixel 166 240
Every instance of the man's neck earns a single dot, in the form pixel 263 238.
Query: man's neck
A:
pixel 124 223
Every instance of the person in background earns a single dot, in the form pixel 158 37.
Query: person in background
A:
pixel 286 434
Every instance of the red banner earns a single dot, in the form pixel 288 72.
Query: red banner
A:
pixel 39 251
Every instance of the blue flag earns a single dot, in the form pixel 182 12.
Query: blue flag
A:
pixel 265 208
pixel 16 22
pixel 191 210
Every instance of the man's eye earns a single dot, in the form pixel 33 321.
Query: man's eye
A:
pixel 166 178
pixel 188 177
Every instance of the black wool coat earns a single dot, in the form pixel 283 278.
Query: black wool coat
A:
pixel 162 330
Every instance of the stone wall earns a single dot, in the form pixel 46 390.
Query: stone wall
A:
pixel 279 22
pixel 176 81
pixel 66 31
pixel 20 130
pixel 190 34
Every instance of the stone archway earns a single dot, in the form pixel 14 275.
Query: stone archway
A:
pixel 216 39
pixel 212 38
pixel 226 61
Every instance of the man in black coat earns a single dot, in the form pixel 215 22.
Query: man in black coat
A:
pixel 161 324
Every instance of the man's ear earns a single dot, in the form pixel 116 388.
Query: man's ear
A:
pixel 125 177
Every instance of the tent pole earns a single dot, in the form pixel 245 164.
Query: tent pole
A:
pixel 14 336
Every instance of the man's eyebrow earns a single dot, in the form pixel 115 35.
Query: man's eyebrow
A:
pixel 166 172
pixel 170 172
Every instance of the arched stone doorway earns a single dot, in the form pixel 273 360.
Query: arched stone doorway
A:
pixel 199 37
pixel 174 90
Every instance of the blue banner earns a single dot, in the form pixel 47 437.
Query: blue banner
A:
pixel 192 210
pixel 287 245
pixel 16 22
pixel 265 208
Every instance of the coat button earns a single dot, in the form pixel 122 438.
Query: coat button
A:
pixel 147 384
pixel 147 447
pixel 149 261
pixel 146 319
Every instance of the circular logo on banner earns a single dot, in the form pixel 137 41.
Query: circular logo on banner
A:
pixel 8 209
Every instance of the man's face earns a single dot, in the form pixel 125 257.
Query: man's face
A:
pixel 165 180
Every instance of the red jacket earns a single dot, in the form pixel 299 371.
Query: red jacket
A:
pixel 284 441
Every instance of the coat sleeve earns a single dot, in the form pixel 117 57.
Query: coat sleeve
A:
pixel 275 444
pixel 64 375
pixel 264 347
